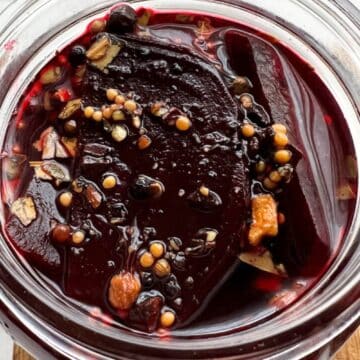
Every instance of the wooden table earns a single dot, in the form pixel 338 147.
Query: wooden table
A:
pixel 350 351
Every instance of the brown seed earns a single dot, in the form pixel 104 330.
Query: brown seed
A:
pixel 111 94
pixel 97 26
pixel 248 130
pixel 65 199
pixel 183 123
pixel 159 109
pixel 240 85
pixel 143 142
pixel 89 112
pixel 268 184
pixel 281 218
pixel 282 156
pixel 167 319
pixel 280 140
pixel 76 187
pixel 246 101
pixel 124 290
pixel 260 167
pixel 78 237
pixel 130 105
pixel 157 249
pixel 70 126
pixel 97 116
pixel 279 128
pixel 109 182
pixel 162 268
pixel 275 176
pixel 61 233
pixel 118 115
pixel 146 260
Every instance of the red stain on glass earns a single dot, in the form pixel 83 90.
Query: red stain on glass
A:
pixel 10 45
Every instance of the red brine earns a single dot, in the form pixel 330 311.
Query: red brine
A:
pixel 177 171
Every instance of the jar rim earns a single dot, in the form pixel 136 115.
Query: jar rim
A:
pixel 329 69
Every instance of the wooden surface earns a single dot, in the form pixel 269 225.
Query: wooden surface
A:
pixel 350 351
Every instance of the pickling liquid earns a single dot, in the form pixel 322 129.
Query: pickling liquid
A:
pixel 317 203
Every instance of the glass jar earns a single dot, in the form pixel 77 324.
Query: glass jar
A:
pixel 326 34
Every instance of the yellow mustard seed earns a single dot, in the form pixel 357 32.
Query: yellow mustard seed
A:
pixel 157 249
pixel 78 237
pixel 282 156
pixel 167 319
pixel 109 182
pixel 107 113
pixel 119 133
pixel 118 115
pixel 111 94
pixel 89 111
pixel 280 139
pixel 275 176
pixel 65 199
pixel 120 100
pixel 130 105
pixel 248 130
pixel 204 191
pixel 268 184
pixel 183 123
pixel 97 116
pixel 279 128
pixel 146 260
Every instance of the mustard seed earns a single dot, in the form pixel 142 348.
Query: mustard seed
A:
pixel 118 115
pixel 65 199
pixel 280 139
pixel 111 94
pixel 260 167
pixel 167 319
pixel 78 237
pixel 89 112
pixel 248 130
pixel 275 176
pixel 107 113
pixel 119 133
pixel 282 156
pixel 130 105
pixel 268 184
pixel 120 100
pixel 157 249
pixel 97 116
pixel 204 191
pixel 183 123
pixel 109 182
pixel 146 260
pixel 279 128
